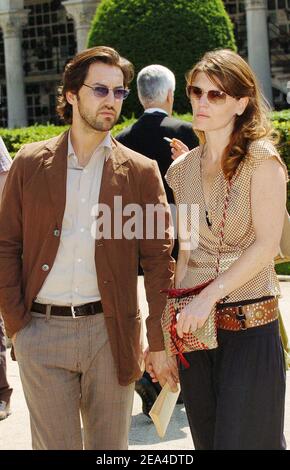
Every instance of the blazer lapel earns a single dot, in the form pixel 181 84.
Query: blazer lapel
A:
pixel 114 175
pixel 55 167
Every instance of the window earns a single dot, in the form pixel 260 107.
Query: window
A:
pixel 48 43
pixel 47 28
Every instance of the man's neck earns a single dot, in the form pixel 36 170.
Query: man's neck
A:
pixel 161 107
pixel 84 144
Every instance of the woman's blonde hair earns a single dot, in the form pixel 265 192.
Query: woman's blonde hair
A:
pixel 232 74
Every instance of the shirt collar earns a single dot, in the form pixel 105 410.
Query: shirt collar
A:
pixel 105 146
pixel 155 110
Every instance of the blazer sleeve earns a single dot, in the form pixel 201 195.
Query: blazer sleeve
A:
pixel 11 297
pixel 155 251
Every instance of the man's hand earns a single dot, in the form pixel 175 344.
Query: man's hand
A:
pixel 162 369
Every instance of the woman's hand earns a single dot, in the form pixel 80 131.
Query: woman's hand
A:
pixel 177 148
pixel 194 315
pixel 181 267
pixel 179 274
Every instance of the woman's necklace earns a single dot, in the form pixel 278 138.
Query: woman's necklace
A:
pixel 205 179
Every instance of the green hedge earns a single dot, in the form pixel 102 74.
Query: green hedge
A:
pixel 283 268
pixel 173 33
pixel 281 120
pixel 15 138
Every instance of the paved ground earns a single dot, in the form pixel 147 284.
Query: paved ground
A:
pixel 15 432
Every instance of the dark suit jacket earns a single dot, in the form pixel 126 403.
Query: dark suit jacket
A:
pixel 146 136
pixel 32 208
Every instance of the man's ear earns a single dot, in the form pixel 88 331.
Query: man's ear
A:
pixel 242 104
pixel 170 96
pixel 71 97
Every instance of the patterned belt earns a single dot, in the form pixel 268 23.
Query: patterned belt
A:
pixel 247 316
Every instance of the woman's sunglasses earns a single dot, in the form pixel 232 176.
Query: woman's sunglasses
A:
pixel 101 91
pixel 213 96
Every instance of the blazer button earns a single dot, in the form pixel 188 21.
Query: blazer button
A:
pixel 56 233
pixel 45 267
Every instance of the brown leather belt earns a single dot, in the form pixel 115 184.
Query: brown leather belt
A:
pixel 74 311
pixel 247 316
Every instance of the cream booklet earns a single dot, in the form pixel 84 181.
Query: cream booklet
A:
pixel 163 407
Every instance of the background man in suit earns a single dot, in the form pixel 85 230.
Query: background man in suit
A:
pixel 5 389
pixel 68 298
pixel 156 85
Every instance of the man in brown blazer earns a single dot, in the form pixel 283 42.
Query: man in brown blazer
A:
pixel 69 263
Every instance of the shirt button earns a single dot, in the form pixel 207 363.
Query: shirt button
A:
pixel 83 199
pixel 56 233
pixel 79 260
pixel 45 267
pixel 82 229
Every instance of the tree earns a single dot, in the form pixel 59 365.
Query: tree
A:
pixel 174 33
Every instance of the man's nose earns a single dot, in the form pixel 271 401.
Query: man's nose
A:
pixel 110 98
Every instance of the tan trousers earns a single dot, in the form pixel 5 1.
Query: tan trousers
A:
pixel 67 370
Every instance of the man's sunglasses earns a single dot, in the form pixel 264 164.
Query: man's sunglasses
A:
pixel 213 96
pixel 101 91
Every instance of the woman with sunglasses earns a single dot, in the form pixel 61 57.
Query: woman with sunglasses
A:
pixel 234 394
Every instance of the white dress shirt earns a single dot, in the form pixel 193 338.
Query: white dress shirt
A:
pixel 73 278
pixel 155 110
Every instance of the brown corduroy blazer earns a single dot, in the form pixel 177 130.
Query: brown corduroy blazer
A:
pixel 31 217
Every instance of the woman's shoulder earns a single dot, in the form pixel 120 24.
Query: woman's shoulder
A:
pixel 263 149
pixel 179 168
pixel 185 159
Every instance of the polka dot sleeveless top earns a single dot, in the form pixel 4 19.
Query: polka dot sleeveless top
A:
pixel 184 177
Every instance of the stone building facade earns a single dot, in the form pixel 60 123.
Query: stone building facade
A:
pixel 38 37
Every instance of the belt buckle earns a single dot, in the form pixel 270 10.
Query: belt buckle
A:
pixel 73 312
